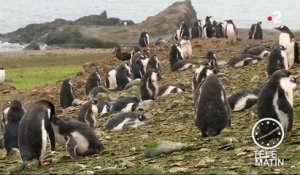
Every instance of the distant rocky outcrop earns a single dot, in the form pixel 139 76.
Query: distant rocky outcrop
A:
pixel 98 31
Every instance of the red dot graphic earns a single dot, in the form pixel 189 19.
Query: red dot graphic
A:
pixel 270 18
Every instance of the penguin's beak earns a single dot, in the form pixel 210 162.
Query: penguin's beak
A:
pixel 277 28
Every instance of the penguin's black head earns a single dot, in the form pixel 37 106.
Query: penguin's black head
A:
pixel 210 55
pixel 1 68
pixel 259 23
pixel 16 104
pixel 282 28
pixel 215 22
pixel 94 101
pixel 281 74
pixel 282 47
pixel 142 118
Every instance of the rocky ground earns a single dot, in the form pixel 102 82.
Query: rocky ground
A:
pixel 171 119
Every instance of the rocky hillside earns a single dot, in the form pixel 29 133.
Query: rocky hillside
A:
pixel 98 31
pixel 171 119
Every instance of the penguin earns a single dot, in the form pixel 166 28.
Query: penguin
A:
pixel 211 61
pixel 186 48
pixel 3 116
pixel 103 108
pixel 176 59
pixel 251 31
pixel 93 81
pixel 135 57
pixel 66 95
pixel 139 66
pixel 144 39
pixel 243 60
pixel 167 89
pixel 200 75
pixel 175 36
pixel 10 135
pixel 111 79
pixel 277 60
pixel 98 89
pixel 257 49
pixel 244 99
pixel 125 104
pixel 123 56
pixel 154 63
pixel 231 32
pixel 88 113
pixel 221 30
pixel 212 111
pixel 2 74
pixel 134 51
pixel 131 119
pixel 78 138
pixel 215 27
pixel 184 31
pixel 34 130
pixel 255 31
pixel 123 75
pixel 287 40
pixel 149 87
pixel 208 28
pixel 275 100
pixel 197 30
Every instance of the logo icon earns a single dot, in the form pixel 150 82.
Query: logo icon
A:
pixel 277 133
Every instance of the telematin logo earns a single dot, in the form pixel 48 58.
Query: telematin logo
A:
pixel 268 155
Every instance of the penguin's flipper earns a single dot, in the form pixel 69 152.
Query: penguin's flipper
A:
pixel 71 146
pixel 50 131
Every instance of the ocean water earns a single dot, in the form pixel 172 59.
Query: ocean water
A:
pixel 19 13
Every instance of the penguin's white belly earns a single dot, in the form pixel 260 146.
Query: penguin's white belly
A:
pixel 120 125
pixel 284 40
pixel 283 117
pixel 231 33
pixel 241 103
pixel 104 110
pixel 128 107
pixel 44 141
pixel 82 142
pixel 2 76
pixel 112 79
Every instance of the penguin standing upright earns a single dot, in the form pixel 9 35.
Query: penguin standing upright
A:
pixel 287 40
pixel 184 31
pixel 79 139
pixel 88 113
pixel 212 111
pixel 221 30
pixel 275 100
pixel 215 27
pixel 10 135
pixel 208 28
pixel 111 79
pixel 251 31
pixel 200 75
pixel 211 61
pixel 2 74
pixel 176 59
pixel 186 48
pixel 34 130
pixel 123 74
pixel 144 39
pixel 149 87
pixel 154 64
pixel 197 30
pixel 277 60
pixel 66 94
pixel 231 32
pixel 258 33
pixel 3 116
pixel 139 66
pixel 93 81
